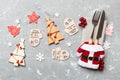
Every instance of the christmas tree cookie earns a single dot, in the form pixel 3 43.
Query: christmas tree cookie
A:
pixel 18 55
pixel 54 35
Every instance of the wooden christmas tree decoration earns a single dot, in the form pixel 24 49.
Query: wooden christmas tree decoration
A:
pixel 18 55
pixel 54 35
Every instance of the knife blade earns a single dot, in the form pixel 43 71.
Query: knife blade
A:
pixel 101 24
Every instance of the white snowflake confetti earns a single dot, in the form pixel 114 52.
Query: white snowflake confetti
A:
pixel 67 72
pixel 39 8
pixel 74 65
pixel 38 72
pixel 29 69
pixel 40 57
pixel 110 68
pixel 69 44
pixel 18 25
pixel 15 69
pixel 79 15
pixel 87 76
pixel 57 14
pixel 106 45
pixel 54 74
pixel 17 21
pixel 9 44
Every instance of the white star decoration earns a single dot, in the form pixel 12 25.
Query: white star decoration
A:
pixel 40 57
pixel 106 45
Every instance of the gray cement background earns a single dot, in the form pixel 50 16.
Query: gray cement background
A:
pixel 49 69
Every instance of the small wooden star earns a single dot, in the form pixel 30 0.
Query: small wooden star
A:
pixel 33 18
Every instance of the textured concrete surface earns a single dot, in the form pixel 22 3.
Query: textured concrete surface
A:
pixel 49 69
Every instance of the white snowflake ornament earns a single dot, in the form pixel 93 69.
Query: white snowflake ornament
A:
pixel 40 57
pixel 106 45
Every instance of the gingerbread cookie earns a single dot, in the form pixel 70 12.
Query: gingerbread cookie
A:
pixel 60 54
pixel 18 55
pixel 35 36
pixel 70 26
pixel 54 35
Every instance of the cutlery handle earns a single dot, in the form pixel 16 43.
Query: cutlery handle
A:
pixel 96 42
pixel 91 39
pixel 93 32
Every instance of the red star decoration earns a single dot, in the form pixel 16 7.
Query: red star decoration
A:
pixel 33 18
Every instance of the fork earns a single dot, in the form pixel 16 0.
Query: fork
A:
pixel 95 20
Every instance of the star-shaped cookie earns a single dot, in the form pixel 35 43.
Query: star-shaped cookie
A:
pixel 33 18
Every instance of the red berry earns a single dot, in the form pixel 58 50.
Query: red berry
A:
pixel 81 18
pixel 84 19
pixel 102 65
pixel 79 24
pixel 85 23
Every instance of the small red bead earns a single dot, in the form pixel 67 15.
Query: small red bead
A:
pixel 11 54
pixel 55 37
pixel 21 48
pixel 48 25
pixel 49 34
pixel 17 45
pixel 17 62
pixel 21 61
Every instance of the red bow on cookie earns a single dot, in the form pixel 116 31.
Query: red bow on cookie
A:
pixel 83 22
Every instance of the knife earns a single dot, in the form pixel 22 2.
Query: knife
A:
pixel 101 24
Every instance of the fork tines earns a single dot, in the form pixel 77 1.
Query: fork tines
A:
pixel 96 15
